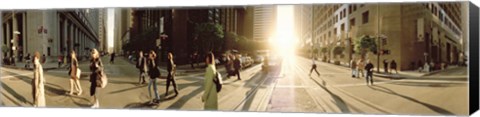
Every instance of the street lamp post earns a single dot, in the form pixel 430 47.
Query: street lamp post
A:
pixel 378 39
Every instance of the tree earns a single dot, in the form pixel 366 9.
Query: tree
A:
pixel 365 44
pixel 5 49
pixel 231 40
pixel 209 37
pixel 337 50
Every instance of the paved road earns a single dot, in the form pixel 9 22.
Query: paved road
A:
pixel 286 87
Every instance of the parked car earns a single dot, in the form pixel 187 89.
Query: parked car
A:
pixel 246 61
pixel 258 59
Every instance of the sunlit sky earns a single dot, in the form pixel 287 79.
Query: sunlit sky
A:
pixel 285 38
pixel 110 26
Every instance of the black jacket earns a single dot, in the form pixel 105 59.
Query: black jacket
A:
pixel 153 70
pixel 369 67
pixel 237 64
pixel 96 67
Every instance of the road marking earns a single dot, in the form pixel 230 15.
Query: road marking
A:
pixel 292 86
pixel 10 76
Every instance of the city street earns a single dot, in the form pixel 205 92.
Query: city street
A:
pixel 288 88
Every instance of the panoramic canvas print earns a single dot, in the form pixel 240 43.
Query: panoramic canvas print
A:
pixel 356 58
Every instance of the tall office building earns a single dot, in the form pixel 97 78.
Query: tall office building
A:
pixel 303 23
pixel 50 32
pixel 415 33
pixel 264 22
pixel 102 32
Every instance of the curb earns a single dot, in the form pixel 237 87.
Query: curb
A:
pixel 398 77
pixel 28 69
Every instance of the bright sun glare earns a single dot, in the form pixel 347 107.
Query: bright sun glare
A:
pixel 284 40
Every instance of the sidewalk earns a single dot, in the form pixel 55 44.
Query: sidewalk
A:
pixel 180 68
pixel 46 65
pixel 415 74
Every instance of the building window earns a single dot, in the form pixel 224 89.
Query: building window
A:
pixel 336 18
pixel 354 8
pixel 365 17
pixel 340 15
pixel 352 22
pixel 342 27
pixel 350 9
pixel 344 12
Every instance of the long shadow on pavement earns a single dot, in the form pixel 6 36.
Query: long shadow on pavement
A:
pixel 428 84
pixel 141 105
pixel 15 94
pixel 51 89
pixel 183 100
pixel 432 107
pixel 341 104
pixel 252 92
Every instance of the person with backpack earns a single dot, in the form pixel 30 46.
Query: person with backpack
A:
pixel 210 97
pixel 171 68
pixel 96 67
pixel 142 67
pixel 154 73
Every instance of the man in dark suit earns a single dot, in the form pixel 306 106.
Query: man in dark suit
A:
pixel 237 64
pixel 142 66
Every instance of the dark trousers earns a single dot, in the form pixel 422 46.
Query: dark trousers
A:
pixel 170 79
pixel 237 73
pixel 314 67
pixel 369 77
pixel 141 79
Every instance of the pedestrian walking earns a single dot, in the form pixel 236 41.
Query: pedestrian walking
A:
pixel 154 73
pixel 229 65
pixel 420 66
pixel 353 67
pixel 20 58
pixel 237 64
pixel 210 97
pixel 96 67
pixel 360 68
pixel 142 67
pixel 193 60
pixel 38 90
pixel 12 60
pixel 393 66
pixel 171 68
pixel 112 58
pixel 44 59
pixel 27 60
pixel 369 68
pixel 74 73
pixel 60 60
pixel 385 66
pixel 314 67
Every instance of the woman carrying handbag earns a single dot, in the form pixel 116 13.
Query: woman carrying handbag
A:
pixel 74 73
pixel 98 78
